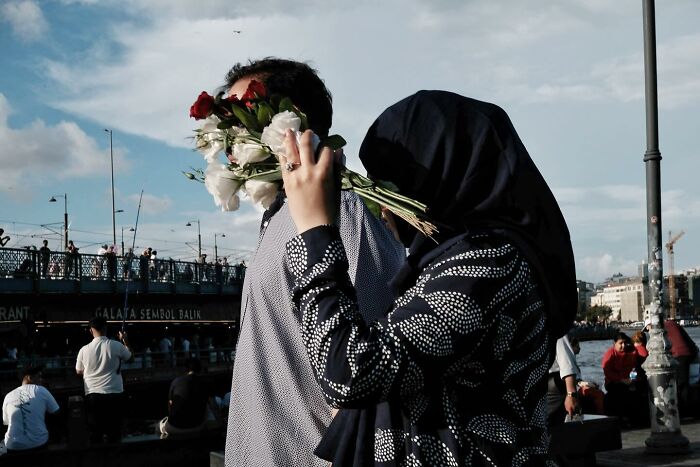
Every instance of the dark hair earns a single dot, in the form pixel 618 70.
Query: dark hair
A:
pixel 32 371
pixel 621 336
pixel 99 323
pixel 193 364
pixel 292 79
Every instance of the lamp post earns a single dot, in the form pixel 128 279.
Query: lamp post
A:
pixel 111 161
pixel 65 217
pixel 131 229
pixel 199 237
pixel 666 437
pixel 216 250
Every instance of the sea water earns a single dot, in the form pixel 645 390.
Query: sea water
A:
pixel 590 359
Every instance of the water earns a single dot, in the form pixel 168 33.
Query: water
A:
pixel 591 356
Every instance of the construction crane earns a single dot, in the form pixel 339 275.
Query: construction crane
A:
pixel 672 239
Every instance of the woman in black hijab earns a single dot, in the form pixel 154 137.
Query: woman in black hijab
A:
pixel 456 372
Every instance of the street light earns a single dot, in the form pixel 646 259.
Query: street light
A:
pixel 216 251
pixel 111 161
pixel 131 229
pixel 666 436
pixel 65 217
pixel 199 237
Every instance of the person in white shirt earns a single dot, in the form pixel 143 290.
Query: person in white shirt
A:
pixel 23 412
pixel 562 391
pixel 99 262
pixel 100 363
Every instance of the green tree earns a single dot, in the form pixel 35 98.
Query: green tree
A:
pixel 598 313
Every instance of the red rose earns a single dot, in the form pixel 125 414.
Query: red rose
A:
pixel 255 88
pixel 203 107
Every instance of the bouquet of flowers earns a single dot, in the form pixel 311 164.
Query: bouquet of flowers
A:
pixel 250 130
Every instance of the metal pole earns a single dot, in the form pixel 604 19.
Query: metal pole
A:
pixel 666 437
pixel 199 238
pixel 122 250
pixel 216 250
pixel 65 221
pixel 111 161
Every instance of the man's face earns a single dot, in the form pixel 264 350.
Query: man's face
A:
pixel 241 86
pixel 620 345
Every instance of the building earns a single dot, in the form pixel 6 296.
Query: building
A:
pixel 681 295
pixel 626 297
pixel 585 291
pixel 694 294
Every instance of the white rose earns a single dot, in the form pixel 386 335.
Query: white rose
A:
pixel 248 153
pixel 222 186
pixel 209 139
pixel 273 134
pixel 260 192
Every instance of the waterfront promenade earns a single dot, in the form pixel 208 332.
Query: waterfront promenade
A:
pixel 633 452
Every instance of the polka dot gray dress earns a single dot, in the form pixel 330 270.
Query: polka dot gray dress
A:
pixel 453 376
pixel 278 414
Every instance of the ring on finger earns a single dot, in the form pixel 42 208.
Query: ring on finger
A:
pixel 289 166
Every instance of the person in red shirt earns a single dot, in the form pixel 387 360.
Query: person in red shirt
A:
pixel 625 393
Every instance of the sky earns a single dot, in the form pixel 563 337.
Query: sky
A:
pixel 568 72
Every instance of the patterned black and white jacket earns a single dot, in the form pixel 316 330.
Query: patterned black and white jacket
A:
pixel 454 375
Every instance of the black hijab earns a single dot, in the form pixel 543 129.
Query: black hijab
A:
pixel 464 160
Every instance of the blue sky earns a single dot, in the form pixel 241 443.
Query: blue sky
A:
pixel 569 73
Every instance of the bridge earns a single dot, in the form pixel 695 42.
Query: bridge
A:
pixel 46 301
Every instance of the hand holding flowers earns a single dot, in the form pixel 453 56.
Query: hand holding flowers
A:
pixel 310 187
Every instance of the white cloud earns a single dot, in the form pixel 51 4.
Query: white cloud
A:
pixel 151 204
pixel 26 19
pixel 183 48
pixel 175 239
pixel 622 78
pixel 597 268
pixel 39 152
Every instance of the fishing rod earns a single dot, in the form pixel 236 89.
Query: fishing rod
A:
pixel 131 257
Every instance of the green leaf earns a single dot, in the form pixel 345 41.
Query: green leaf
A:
pixel 345 184
pixel 264 114
pixel 275 100
pixel 358 180
pixel 286 104
pixel 228 123
pixel 248 120
pixel 373 207
pixel 219 96
pixel 334 142
pixel 388 185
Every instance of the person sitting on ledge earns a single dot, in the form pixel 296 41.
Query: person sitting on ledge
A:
pixel 625 396
pixel 23 412
pixel 188 400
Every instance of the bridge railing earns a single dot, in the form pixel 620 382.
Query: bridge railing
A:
pixel 33 264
